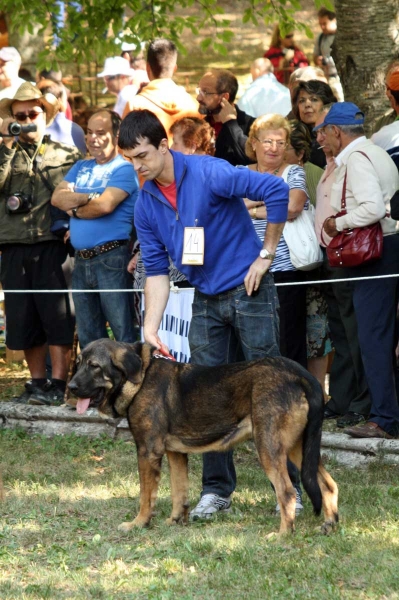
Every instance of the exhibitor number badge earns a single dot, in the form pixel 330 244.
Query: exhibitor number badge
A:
pixel 193 246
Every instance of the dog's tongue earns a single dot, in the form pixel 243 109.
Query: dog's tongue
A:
pixel 82 405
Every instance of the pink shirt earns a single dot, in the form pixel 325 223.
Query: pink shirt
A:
pixel 323 206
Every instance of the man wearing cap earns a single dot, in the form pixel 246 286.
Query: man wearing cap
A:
pixel 10 62
pixel 117 76
pixel 32 255
pixel 372 179
pixel 388 137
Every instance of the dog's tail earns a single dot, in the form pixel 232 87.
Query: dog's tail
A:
pixel 312 441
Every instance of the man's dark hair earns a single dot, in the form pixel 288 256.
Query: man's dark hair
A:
pixel 300 139
pixel 161 58
pixel 51 74
pixel 115 119
pixel 47 86
pixel 138 125
pixel 226 82
pixel 324 12
pixel 316 88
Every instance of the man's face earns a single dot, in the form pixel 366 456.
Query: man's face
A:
pixel 115 83
pixel 100 139
pixel 333 139
pixel 207 95
pixel 147 160
pixel 321 135
pixel 26 113
pixel 328 27
pixel 8 72
pixel 138 62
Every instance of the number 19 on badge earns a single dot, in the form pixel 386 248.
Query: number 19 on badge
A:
pixel 193 246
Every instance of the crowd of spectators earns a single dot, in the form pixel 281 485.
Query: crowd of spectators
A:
pixel 230 173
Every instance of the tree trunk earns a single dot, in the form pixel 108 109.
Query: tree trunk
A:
pixel 365 43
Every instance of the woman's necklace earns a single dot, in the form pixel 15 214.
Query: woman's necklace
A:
pixel 274 172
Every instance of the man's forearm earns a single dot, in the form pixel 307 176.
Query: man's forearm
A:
pixel 156 298
pixel 66 200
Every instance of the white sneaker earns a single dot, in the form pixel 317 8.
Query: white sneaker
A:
pixel 209 505
pixel 298 504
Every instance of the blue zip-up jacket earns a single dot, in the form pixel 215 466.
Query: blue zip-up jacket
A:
pixel 209 195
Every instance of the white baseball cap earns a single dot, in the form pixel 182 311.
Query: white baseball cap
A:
pixel 117 65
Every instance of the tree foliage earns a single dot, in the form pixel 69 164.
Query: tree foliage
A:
pixel 78 30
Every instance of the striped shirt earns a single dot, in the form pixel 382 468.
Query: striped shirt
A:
pixel 294 176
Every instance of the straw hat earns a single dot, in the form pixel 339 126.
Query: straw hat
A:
pixel 27 92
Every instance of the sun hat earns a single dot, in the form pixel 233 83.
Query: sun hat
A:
pixel 342 113
pixel 9 53
pixel 27 92
pixel 117 65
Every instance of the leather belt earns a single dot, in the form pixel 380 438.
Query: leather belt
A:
pixel 88 253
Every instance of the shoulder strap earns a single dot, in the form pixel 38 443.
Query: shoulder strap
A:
pixel 343 197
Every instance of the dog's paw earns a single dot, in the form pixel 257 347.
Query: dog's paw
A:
pixel 126 526
pixel 327 527
pixel 129 525
pixel 176 521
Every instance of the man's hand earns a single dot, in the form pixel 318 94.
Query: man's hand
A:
pixel 228 111
pixel 254 276
pixel 155 340
pixel 330 227
pixel 132 264
pixel 7 139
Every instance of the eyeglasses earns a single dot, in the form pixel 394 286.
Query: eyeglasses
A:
pixel 269 143
pixel 32 114
pixel 200 92
pixel 110 77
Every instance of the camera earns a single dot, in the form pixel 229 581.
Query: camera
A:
pixel 18 203
pixel 16 128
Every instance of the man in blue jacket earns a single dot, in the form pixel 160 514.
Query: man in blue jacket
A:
pixel 191 208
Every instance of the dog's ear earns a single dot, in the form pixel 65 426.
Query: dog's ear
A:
pixel 129 362
pixel 145 351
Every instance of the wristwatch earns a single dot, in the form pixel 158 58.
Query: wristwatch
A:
pixel 266 254
pixel 74 212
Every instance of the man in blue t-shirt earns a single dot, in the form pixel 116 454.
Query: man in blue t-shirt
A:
pixel 99 194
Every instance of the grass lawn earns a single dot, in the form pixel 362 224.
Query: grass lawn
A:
pixel 67 495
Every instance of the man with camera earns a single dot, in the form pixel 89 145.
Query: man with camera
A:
pixel 32 254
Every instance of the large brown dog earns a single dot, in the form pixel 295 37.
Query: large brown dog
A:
pixel 178 409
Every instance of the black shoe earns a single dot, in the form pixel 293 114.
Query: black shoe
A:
pixel 25 396
pixel 330 414
pixel 50 395
pixel 350 419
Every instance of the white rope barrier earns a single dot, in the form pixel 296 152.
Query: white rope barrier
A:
pixel 177 290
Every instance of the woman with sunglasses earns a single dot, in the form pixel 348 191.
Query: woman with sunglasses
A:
pixel 285 55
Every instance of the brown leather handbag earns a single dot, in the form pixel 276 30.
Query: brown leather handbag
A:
pixel 354 247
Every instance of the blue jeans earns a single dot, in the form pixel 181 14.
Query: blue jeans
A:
pixel 93 310
pixel 222 325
